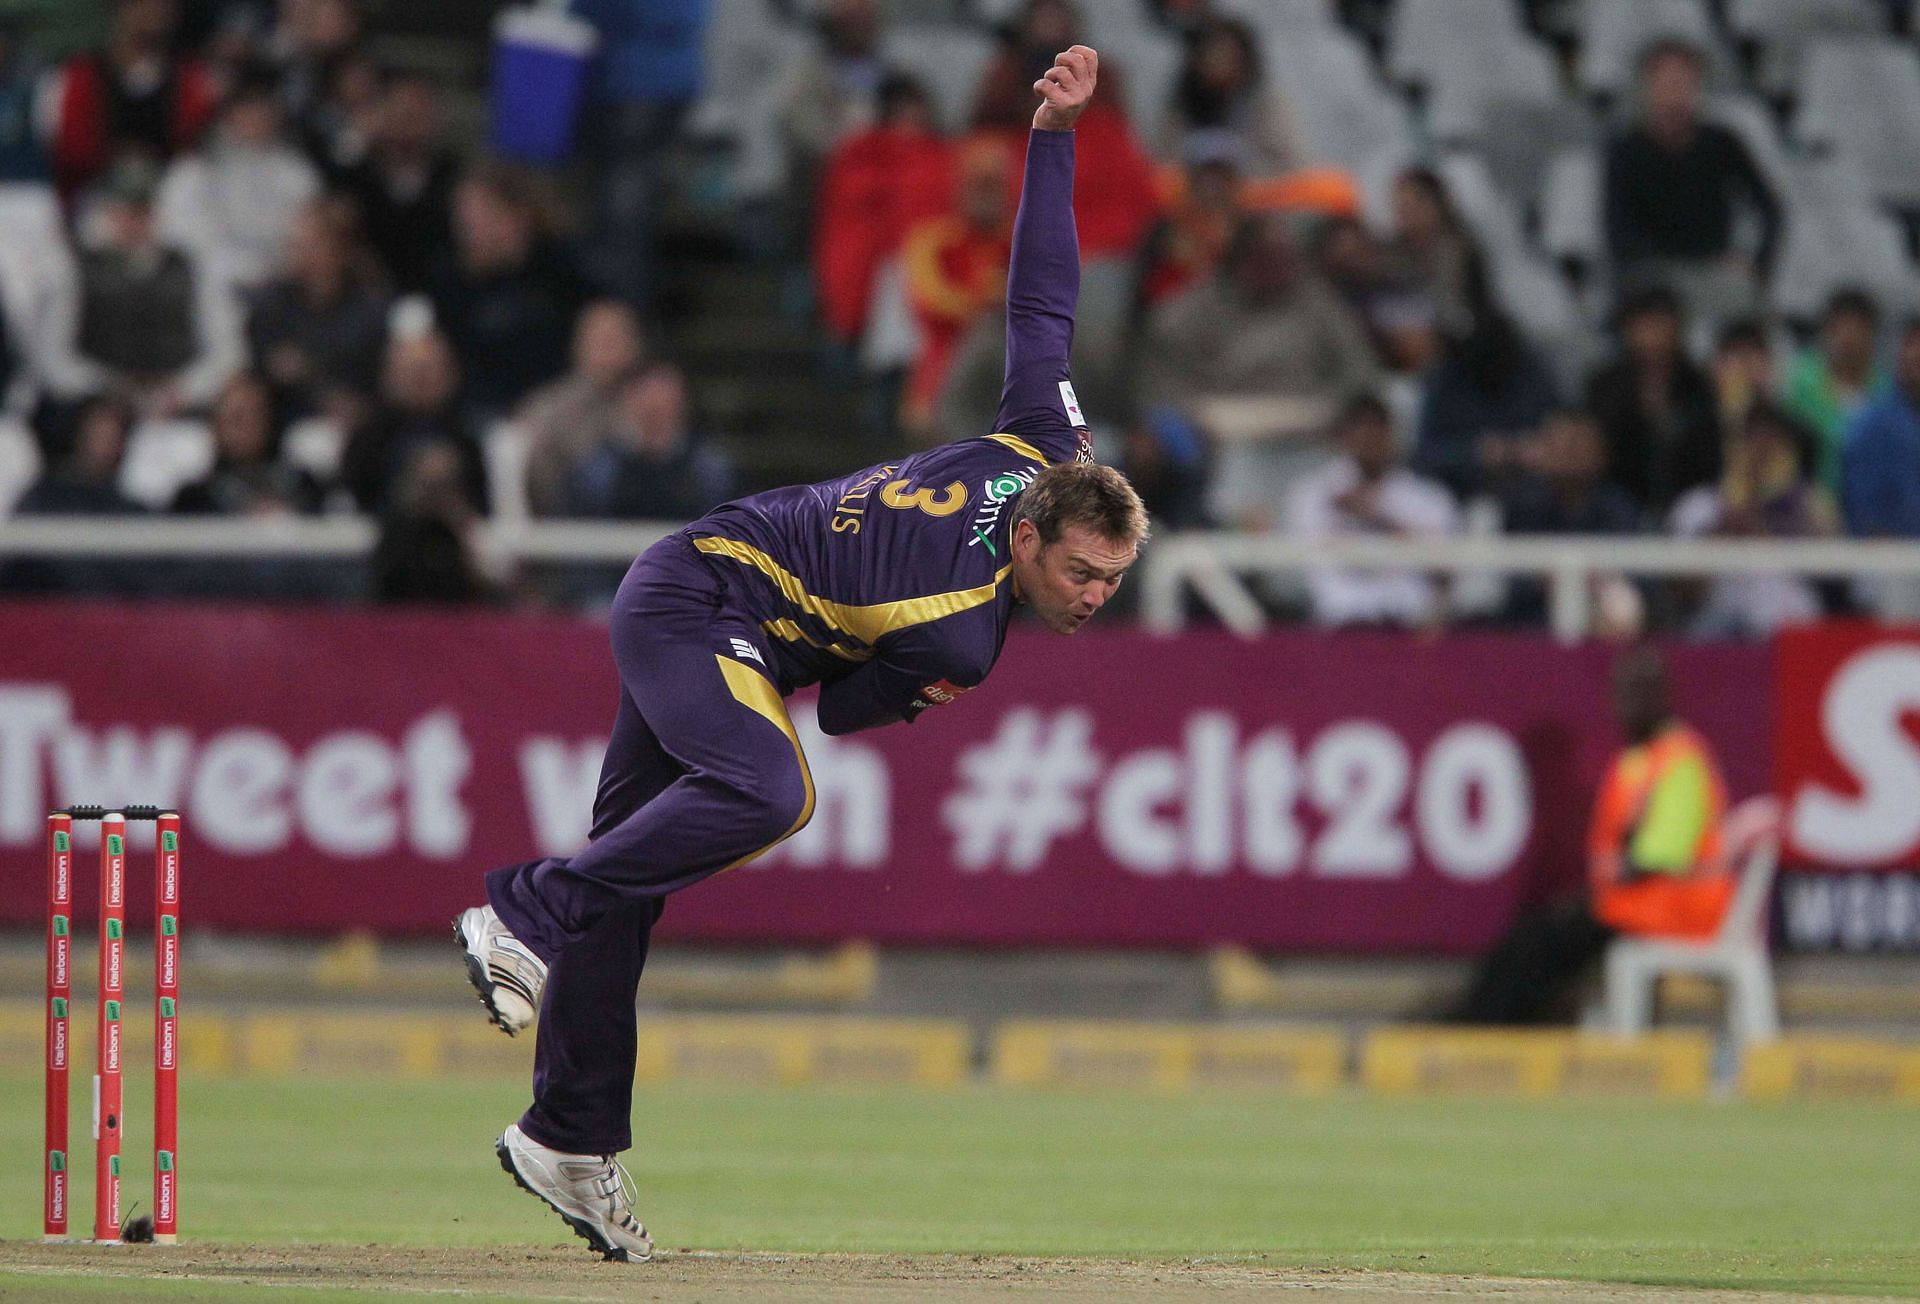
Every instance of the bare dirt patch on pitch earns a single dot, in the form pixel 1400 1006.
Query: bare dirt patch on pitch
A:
pixel 29 1270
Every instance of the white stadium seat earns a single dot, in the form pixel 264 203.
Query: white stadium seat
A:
pixel 1426 35
pixel 1861 97
pixel 163 457
pixel 948 61
pixel 1346 117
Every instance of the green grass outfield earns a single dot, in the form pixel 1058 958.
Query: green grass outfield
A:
pixel 1799 1197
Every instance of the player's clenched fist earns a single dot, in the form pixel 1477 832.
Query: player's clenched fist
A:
pixel 1067 88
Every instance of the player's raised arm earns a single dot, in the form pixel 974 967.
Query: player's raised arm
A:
pixel 1043 281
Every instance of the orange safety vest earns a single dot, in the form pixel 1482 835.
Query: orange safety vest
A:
pixel 1688 896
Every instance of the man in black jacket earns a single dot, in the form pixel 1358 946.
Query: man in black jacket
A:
pixel 1675 188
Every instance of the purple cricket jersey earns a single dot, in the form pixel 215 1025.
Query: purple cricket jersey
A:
pixel 891 586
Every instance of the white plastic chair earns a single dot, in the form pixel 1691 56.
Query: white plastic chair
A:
pixel 1737 955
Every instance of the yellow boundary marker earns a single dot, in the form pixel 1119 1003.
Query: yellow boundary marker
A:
pixel 1168 1056
pixel 1408 1061
pixel 1831 1067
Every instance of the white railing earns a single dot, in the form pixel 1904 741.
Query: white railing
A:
pixel 1211 567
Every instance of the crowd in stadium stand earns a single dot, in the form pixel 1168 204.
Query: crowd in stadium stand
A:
pixel 255 226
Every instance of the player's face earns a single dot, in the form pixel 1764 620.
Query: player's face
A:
pixel 1066 581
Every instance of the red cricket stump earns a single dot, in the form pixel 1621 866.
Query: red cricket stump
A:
pixel 106 1082
pixel 166 1029
pixel 59 998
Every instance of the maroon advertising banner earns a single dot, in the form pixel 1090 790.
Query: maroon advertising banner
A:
pixel 1306 791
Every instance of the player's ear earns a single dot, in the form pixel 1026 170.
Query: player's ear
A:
pixel 1026 541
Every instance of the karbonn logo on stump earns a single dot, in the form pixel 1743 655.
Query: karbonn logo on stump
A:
pixel 166 1042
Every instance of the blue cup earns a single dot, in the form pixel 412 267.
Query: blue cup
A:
pixel 540 64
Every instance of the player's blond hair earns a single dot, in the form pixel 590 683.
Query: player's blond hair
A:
pixel 1096 498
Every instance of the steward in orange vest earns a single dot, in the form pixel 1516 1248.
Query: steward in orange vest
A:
pixel 1655 861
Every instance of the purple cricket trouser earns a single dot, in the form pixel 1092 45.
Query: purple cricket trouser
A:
pixel 702 772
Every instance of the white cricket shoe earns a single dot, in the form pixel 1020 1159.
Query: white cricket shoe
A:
pixel 592 1192
pixel 503 971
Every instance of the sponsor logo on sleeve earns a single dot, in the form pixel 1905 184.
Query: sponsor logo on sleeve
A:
pixel 747 652
pixel 1072 402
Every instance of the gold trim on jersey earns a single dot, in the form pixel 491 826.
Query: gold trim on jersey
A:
pixel 754 692
pixel 1021 447
pixel 791 632
pixel 869 624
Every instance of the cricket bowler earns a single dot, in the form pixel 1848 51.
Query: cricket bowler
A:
pixel 892 589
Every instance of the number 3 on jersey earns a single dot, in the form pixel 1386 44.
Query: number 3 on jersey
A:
pixel 934 502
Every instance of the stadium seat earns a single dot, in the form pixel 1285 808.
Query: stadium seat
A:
pixel 1614 32
pixel 1836 236
pixel 1426 37
pixel 1737 956
pixel 1572 227
pixel 19 462
pixel 163 456
pixel 1280 19
pixel 1347 118
pixel 1150 62
pixel 1861 97
pixel 1783 29
pixel 1465 84
pixel 1532 290
pixel 949 61
pixel 1520 139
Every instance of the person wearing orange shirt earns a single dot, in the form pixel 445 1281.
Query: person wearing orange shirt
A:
pixel 956 269
pixel 1656 866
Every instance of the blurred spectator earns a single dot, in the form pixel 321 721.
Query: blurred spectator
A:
pixel 83 479
pixel 1366 492
pixel 248 478
pixel 147 321
pixel 563 421
pixel 1562 486
pixel 1165 459
pixel 508 295
pixel 136 95
pixel 878 184
pixel 23 150
pixel 338 129
pixel 1114 197
pixel 1766 492
pixel 230 203
pixel 316 39
pixel 404 186
pixel 1259 355
pixel 1182 16
pixel 1655 861
pixel 1484 400
pixel 956 269
pixel 1186 245
pixel 651 466
pixel 833 89
pixel 426 552
pixel 1223 98
pixel 651 65
pixel 419 405
pixel 1742 373
pixel 1436 270
pixel 1028 44
pixel 1396 309
pixel 1830 383
pixel 1675 185
pixel 1656 406
pixel 319 333
pixel 1880 476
